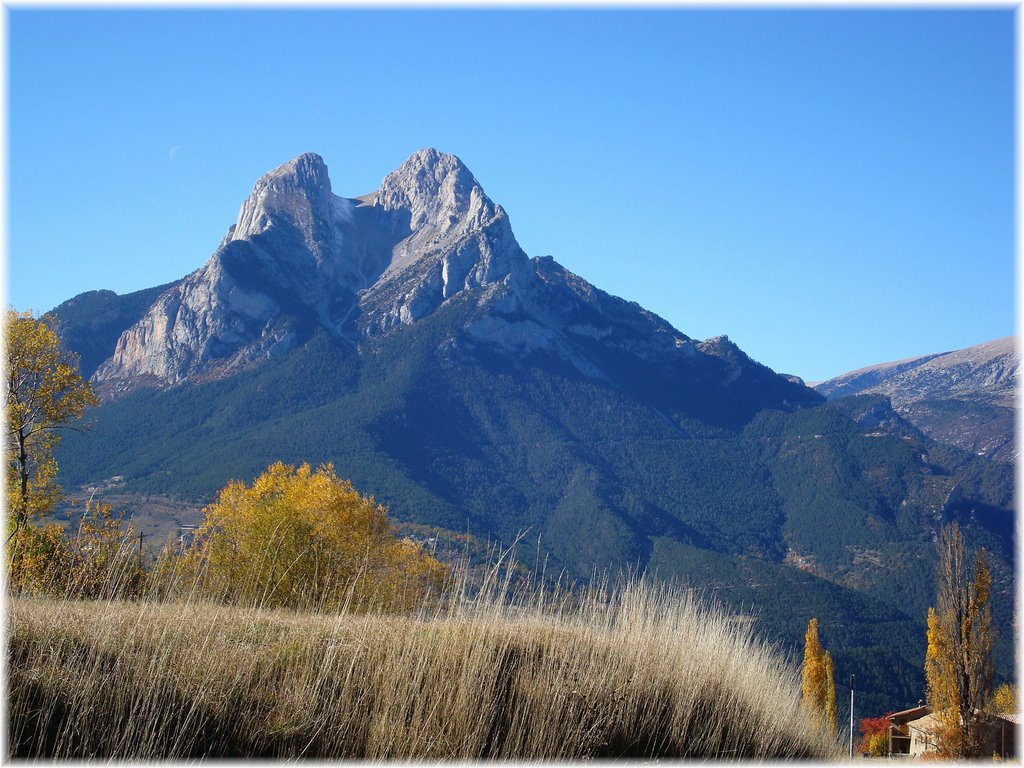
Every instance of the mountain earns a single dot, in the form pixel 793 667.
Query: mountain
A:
pixel 966 398
pixel 406 337
pixel 300 260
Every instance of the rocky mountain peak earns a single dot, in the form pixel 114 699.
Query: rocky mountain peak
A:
pixel 307 170
pixel 437 189
pixel 296 195
pixel 455 239
pixel 723 347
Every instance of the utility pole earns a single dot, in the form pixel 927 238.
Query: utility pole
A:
pixel 852 679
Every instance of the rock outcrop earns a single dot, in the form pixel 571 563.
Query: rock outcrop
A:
pixel 457 240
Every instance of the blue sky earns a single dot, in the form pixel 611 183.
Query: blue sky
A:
pixel 829 188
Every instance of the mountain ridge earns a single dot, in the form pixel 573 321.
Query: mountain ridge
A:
pixel 966 397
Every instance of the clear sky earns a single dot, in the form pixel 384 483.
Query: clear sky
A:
pixel 829 188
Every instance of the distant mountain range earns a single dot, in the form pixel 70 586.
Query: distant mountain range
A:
pixel 406 337
pixel 967 398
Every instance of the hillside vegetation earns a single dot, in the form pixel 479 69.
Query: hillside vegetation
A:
pixel 601 477
pixel 641 671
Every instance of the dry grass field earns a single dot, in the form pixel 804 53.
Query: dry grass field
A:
pixel 638 671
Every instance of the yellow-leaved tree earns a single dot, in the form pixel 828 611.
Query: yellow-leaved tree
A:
pixel 831 714
pixel 1004 700
pixel 819 689
pixel 44 395
pixel 103 559
pixel 958 664
pixel 304 538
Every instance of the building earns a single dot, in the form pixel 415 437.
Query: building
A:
pixel 912 732
pixel 900 738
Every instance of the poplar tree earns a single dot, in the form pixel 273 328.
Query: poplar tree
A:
pixel 958 664
pixel 819 690
pixel 831 715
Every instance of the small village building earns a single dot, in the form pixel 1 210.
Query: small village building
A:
pixel 913 732
pixel 900 739
pixel 922 734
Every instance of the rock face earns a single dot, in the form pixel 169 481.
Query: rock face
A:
pixel 300 259
pixel 453 239
pixel 92 322
pixel 966 398
pixel 278 264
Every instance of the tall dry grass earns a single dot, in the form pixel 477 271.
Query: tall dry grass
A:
pixel 640 670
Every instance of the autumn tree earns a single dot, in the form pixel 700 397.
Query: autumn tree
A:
pixel 44 395
pixel 100 557
pixel 874 733
pixel 105 557
pixel 819 689
pixel 831 715
pixel 43 562
pixel 1004 700
pixel 958 665
pixel 306 539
